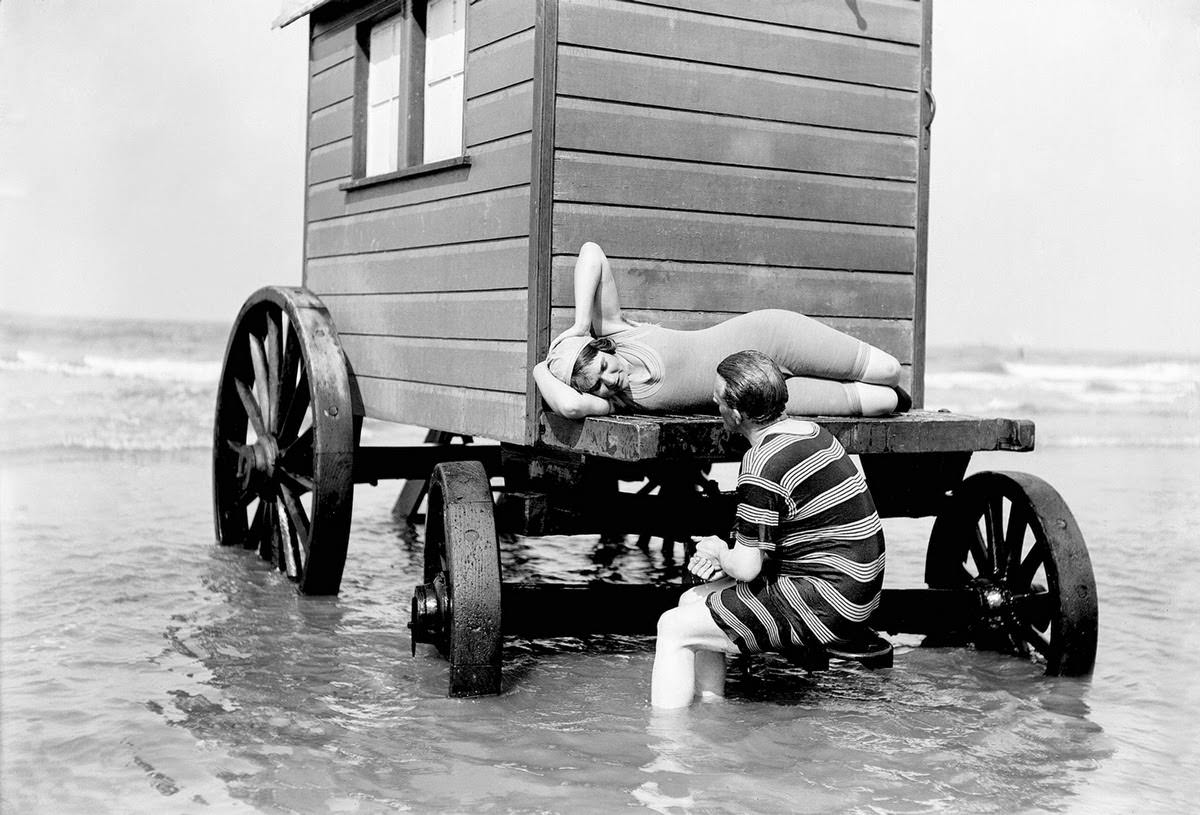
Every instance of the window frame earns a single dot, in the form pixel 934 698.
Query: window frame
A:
pixel 411 129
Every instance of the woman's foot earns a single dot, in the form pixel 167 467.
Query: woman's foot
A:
pixel 903 400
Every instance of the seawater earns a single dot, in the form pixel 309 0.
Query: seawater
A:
pixel 145 669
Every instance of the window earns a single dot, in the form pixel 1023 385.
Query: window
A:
pixel 383 96
pixel 411 87
pixel 445 47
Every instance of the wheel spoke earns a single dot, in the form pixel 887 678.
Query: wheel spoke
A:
pixel 261 381
pixel 994 517
pixel 978 553
pixel 1034 608
pixel 296 458
pixel 251 407
pixel 297 410
pixel 1037 639
pixel 291 553
pixel 254 533
pixel 1031 563
pixel 1014 539
pixel 266 543
pixel 243 500
pixel 298 484
pixel 300 532
pixel 274 379
pixel 277 537
pixel 290 347
pixel 296 514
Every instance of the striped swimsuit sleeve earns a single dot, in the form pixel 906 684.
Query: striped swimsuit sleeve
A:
pixel 761 507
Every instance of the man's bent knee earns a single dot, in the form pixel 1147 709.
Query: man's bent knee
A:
pixel 676 625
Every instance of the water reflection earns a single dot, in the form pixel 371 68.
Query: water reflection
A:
pixel 309 698
pixel 943 730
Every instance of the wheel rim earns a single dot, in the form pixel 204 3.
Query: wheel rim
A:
pixel 1011 537
pixel 462 554
pixel 436 564
pixel 284 439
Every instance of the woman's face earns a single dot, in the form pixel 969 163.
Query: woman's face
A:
pixel 606 375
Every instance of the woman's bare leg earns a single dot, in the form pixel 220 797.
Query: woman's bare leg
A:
pixel 876 400
pixel 824 397
pixel 882 368
pixel 802 346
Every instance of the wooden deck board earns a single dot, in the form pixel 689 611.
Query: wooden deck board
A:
pixel 644 437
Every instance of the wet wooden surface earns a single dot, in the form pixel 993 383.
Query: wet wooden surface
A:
pixel 643 437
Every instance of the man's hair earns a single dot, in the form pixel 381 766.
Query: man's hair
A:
pixel 754 385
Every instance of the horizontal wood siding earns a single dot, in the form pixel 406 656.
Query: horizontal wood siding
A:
pixel 497 366
pixel 703 236
pixel 483 216
pixel 742 43
pixel 735 156
pixel 660 184
pixel 613 77
pixel 650 284
pixel 446 407
pixel 613 128
pixel 426 277
pixel 471 267
pixel 491 315
pixel 889 20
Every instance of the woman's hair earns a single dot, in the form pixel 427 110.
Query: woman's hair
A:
pixel 754 385
pixel 587 355
pixel 581 382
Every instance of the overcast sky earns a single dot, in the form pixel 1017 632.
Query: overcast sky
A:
pixel 151 164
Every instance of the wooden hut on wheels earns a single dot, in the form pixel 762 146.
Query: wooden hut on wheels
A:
pixel 728 156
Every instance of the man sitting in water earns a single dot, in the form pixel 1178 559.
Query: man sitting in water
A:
pixel 806 565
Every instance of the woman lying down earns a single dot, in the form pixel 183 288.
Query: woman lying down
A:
pixel 606 363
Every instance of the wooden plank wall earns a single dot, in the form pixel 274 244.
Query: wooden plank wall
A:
pixel 427 277
pixel 734 156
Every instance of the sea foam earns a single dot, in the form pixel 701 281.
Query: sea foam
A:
pixel 156 369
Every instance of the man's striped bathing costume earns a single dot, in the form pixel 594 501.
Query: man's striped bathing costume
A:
pixel 804 503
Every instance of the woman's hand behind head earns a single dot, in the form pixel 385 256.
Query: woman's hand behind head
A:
pixel 573 331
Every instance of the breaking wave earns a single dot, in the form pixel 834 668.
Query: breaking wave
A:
pixel 154 369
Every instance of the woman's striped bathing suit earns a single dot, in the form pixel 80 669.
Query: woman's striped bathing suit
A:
pixel 804 503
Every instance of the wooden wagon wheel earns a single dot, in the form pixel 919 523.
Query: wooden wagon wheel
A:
pixel 284 439
pixel 1012 538
pixel 458 607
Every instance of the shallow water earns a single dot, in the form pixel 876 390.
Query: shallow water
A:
pixel 146 669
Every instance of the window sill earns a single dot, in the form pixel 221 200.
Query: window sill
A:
pixel 407 172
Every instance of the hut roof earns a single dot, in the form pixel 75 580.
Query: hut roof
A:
pixel 293 10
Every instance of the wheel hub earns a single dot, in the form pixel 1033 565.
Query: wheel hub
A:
pixel 430 612
pixel 997 607
pixel 256 462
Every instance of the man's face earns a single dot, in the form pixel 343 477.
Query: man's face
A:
pixel 729 416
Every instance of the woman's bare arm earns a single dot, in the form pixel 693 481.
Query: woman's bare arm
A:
pixel 597 306
pixel 565 400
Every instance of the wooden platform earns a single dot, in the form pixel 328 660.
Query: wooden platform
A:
pixel 703 438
